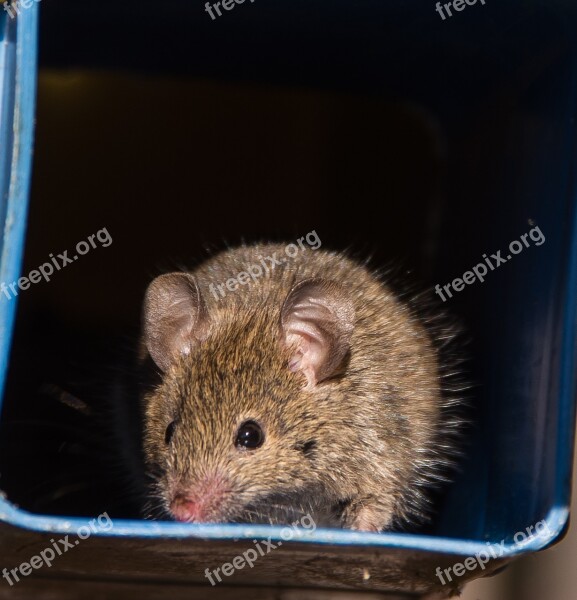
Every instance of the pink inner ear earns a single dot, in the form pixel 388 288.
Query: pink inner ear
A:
pixel 317 321
pixel 175 317
pixel 296 360
pixel 310 352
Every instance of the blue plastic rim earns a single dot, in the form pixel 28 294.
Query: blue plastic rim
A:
pixel 18 49
pixel 555 521
pixel 18 39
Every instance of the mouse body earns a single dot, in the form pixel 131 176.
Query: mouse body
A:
pixel 310 389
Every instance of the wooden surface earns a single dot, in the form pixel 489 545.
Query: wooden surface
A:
pixel 72 590
pixel 108 567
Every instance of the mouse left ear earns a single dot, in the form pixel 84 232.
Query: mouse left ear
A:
pixel 317 321
pixel 174 317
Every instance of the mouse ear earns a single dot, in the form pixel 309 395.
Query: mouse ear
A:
pixel 174 317
pixel 317 320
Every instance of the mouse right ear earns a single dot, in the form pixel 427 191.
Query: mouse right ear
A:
pixel 317 320
pixel 174 317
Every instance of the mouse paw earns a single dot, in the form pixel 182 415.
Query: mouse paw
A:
pixel 367 516
pixel 366 521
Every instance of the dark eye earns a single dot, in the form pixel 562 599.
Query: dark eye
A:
pixel 169 432
pixel 249 435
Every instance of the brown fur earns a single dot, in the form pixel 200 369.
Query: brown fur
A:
pixel 357 449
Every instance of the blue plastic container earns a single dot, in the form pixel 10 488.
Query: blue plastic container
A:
pixel 18 39
pixel 518 469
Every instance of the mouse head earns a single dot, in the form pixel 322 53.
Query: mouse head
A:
pixel 233 430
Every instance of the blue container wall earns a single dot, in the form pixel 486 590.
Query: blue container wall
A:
pixel 498 84
pixel 525 326
pixel 17 100
pixel 8 67
pixel 525 311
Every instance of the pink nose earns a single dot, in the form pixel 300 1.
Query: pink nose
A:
pixel 201 501
pixel 186 510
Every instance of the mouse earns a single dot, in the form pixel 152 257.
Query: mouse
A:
pixel 313 388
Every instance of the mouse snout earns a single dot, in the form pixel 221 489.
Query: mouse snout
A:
pixel 187 510
pixel 202 503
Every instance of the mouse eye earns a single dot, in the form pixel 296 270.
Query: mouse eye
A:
pixel 249 435
pixel 169 432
